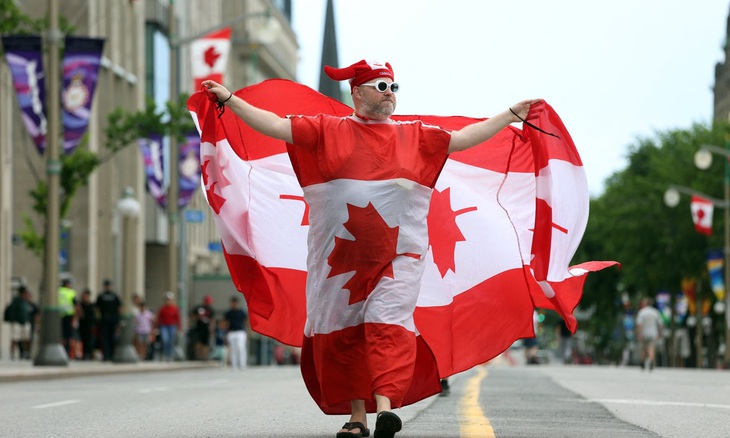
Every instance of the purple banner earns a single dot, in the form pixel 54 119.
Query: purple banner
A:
pixel 24 57
pixel 81 60
pixel 189 168
pixel 154 165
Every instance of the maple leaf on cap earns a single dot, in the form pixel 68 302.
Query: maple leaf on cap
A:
pixel 370 255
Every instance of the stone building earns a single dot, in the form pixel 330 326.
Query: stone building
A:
pixel 136 64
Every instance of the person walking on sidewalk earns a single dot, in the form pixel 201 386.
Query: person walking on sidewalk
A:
pixel 19 316
pixel 87 325
pixel 109 306
pixel 68 303
pixel 169 324
pixel 649 325
pixel 236 320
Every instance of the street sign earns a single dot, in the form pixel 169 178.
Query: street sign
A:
pixel 194 216
pixel 215 246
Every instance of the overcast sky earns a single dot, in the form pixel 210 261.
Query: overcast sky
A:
pixel 614 71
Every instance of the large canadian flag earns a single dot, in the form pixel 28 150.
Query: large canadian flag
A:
pixel 702 210
pixel 504 221
pixel 209 55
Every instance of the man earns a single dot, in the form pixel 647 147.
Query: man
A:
pixel 20 316
pixel 235 318
pixel 87 325
pixel 67 303
pixel 649 325
pixel 399 161
pixel 109 306
pixel 203 316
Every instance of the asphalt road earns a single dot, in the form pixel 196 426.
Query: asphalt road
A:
pixel 492 401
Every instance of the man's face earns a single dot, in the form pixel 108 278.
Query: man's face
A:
pixel 374 104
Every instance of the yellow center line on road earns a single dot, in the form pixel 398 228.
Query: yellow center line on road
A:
pixel 472 421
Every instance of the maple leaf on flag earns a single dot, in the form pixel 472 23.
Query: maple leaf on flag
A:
pixel 370 255
pixel 443 232
pixel 210 56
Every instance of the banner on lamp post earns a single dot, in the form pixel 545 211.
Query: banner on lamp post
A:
pixel 154 165
pixel 715 263
pixel 81 61
pixel 25 59
pixel 153 152
pixel 189 169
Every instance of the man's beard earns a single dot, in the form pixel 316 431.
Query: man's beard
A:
pixel 382 109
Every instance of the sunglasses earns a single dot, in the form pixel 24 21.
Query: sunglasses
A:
pixel 383 86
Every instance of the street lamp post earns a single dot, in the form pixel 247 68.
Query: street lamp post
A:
pixel 173 211
pixel 51 352
pixel 703 160
pixel 129 208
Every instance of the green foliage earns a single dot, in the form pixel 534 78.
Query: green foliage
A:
pixel 656 245
pixel 12 21
pixel 15 22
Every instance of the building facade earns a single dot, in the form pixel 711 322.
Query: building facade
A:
pixel 96 240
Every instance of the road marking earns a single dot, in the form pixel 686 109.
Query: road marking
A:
pixel 56 404
pixel 472 421
pixel 151 390
pixel 657 403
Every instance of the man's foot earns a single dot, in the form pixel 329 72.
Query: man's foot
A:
pixel 353 429
pixel 445 389
pixel 387 425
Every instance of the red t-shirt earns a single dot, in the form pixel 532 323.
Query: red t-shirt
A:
pixel 168 315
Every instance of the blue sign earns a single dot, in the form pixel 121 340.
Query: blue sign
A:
pixel 215 246
pixel 195 216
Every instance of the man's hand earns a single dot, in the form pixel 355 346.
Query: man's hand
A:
pixel 521 109
pixel 221 92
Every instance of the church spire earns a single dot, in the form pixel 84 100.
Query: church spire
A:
pixel 327 86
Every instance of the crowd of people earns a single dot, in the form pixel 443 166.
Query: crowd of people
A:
pixel 90 328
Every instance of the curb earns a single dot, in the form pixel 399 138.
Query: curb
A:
pixel 73 370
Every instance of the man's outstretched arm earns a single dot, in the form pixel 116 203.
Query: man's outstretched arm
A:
pixel 472 135
pixel 261 120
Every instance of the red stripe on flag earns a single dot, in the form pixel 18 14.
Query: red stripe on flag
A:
pixel 503 300
pixel 411 371
pixel 275 297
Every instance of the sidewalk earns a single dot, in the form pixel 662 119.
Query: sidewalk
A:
pixel 22 370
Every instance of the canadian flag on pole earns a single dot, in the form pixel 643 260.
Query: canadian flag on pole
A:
pixel 504 220
pixel 702 210
pixel 209 56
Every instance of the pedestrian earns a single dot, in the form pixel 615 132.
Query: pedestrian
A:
pixel 236 319
pixel 169 324
pixel 67 304
pixel 109 306
pixel 531 344
pixel 144 321
pixel 565 337
pixel 88 320
pixel 19 315
pixel 203 320
pixel 649 326
pixel 220 342
pixel 371 364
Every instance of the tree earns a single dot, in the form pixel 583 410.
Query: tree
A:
pixel 656 245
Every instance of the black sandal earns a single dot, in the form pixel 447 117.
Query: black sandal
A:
pixel 387 425
pixel 364 431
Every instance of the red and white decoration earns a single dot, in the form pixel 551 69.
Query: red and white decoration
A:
pixel 209 56
pixel 702 210
pixel 504 221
